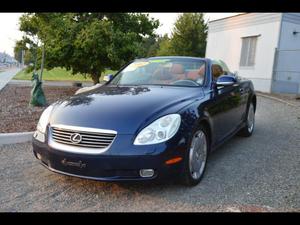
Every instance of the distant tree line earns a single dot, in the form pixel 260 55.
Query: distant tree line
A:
pixel 88 43
pixel 188 38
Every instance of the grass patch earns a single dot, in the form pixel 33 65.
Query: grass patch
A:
pixel 58 74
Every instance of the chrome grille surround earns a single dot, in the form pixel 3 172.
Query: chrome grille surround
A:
pixel 93 140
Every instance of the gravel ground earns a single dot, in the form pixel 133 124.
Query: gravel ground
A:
pixel 260 173
pixel 293 99
pixel 19 115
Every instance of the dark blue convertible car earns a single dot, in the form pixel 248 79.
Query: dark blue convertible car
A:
pixel 157 118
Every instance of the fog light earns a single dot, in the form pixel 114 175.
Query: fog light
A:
pixel 146 172
pixel 39 136
pixel 39 156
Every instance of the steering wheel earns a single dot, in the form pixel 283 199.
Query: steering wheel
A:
pixel 185 83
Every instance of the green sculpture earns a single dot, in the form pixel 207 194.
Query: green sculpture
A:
pixel 37 93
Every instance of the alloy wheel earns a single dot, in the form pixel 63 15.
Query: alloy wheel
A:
pixel 198 154
pixel 250 118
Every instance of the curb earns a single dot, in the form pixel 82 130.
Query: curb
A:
pixel 277 99
pixel 27 83
pixel 14 138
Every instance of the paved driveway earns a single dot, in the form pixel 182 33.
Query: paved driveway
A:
pixel 261 173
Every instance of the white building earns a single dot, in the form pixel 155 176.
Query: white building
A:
pixel 264 47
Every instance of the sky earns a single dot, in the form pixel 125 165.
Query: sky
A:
pixel 9 28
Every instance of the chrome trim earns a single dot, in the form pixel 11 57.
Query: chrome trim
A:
pixel 146 170
pixel 73 148
pixel 87 129
pixel 225 83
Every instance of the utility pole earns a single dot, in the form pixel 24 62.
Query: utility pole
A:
pixel 22 58
pixel 42 64
pixel 35 59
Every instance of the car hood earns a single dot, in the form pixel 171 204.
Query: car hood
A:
pixel 123 109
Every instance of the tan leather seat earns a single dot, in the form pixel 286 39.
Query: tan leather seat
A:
pixel 216 71
pixel 167 76
pixel 177 72
pixel 195 75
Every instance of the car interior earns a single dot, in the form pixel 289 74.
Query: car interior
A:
pixel 217 71
pixel 177 72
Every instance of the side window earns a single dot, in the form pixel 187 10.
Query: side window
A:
pixel 217 71
pixel 224 67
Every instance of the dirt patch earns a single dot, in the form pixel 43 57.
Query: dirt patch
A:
pixel 16 115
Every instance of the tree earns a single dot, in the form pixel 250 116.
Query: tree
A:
pixel 148 46
pixel 189 35
pixel 19 47
pixel 28 56
pixel 88 43
pixel 165 48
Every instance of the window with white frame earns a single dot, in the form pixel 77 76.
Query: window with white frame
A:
pixel 248 51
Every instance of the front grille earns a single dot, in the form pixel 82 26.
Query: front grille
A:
pixel 88 139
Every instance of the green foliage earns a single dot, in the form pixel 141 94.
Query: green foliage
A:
pixel 148 47
pixel 28 56
pixel 88 43
pixel 18 50
pixel 165 48
pixel 189 35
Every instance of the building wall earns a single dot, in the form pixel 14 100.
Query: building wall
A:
pixel 225 42
pixel 287 68
pixel 288 40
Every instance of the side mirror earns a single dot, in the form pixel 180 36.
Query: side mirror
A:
pixel 226 80
pixel 108 77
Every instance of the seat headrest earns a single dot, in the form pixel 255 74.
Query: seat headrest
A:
pixel 177 69
pixel 196 74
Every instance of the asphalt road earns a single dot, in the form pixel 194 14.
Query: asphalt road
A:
pixel 7 75
pixel 260 173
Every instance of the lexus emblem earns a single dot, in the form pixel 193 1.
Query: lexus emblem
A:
pixel 76 138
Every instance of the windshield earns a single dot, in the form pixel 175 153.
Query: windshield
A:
pixel 162 71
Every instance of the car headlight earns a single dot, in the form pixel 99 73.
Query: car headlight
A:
pixel 159 131
pixel 44 119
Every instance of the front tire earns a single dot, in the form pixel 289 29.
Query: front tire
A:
pixel 250 122
pixel 196 157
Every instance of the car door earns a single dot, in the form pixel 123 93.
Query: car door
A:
pixel 244 90
pixel 224 108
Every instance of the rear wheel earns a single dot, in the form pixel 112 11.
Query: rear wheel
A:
pixel 249 127
pixel 196 158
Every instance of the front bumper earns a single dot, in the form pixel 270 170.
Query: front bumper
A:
pixel 108 167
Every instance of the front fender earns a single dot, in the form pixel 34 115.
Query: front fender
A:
pixel 194 115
